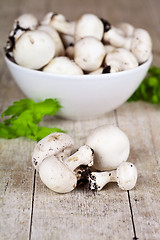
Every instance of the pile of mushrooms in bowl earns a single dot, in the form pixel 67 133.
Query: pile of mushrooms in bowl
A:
pixel 91 66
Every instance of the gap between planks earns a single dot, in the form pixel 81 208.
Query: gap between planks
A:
pixel 128 194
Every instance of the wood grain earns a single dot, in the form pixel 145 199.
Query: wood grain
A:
pixel 31 211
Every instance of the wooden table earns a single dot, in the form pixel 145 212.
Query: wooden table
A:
pixel 31 211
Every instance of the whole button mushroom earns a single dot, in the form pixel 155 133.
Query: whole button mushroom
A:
pixel 59 48
pixel 141 45
pixel 89 53
pixel 63 65
pixel 34 49
pixel 88 25
pixel 56 167
pixel 111 147
pixel 120 59
pixel 125 176
pixel 22 24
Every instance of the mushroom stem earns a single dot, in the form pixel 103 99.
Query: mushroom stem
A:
pixel 125 176
pixel 84 156
pixel 97 180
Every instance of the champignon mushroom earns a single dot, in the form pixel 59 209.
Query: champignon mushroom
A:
pixel 108 48
pixel 67 40
pixel 125 176
pixel 34 49
pixel 111 147
pixel 84 156
pixel 59 48
pixel 70 51
pixel 22 24
pixel 63 65
pixel 114 37
pixel 51 157
pixel 120 59
pixel 141 45
pixel 59 22
pixel 57 144
pixel 97 71
pixel 88 25
pixel 127 28
pixel 89 53
pixel 56 175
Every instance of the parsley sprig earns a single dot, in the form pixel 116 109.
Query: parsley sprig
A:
pixel 23 117
pixel 149 89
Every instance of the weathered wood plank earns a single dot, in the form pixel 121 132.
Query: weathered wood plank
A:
pixel 16 187
pixel 141 122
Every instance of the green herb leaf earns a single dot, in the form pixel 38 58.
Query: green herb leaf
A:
pixel 24 117
pixel 149 89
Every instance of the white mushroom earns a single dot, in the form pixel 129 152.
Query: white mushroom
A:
pixel 125 176
pixel 89 53
pixel 70 51
pixel 57 144
pixel 89 25
pixel 51 157
pixel 111 147
pixel 114 37
pixel 34 49
pixel 22 24
pixel 59 48
pixel 63 65
pixel 67 39
pixel 120 59
pixel 127 28
pixel 59 22
pixel 108 48
pixel 57 176
pixel 97 71
pixel 141 45
pixel 84 156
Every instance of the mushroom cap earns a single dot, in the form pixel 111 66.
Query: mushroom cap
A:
pixel 57 144
pixel 126 176
pixel 89 25
pixel 141 45
pixel 26 21
pixel 89 53
pixel 121 59
pixel 56 175
pixel 111 147
pixel 47 18
pixel 34 49
pixel 63 65
pixel 59 48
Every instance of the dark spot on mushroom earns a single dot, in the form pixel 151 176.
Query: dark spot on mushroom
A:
pixel 35 161
pixel 106 24
pixel 50 149
pixel 53 15
pixel 71 45
pixel 92 151
pixel 107 69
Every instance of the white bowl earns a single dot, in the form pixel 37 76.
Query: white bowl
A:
pixel 82 96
